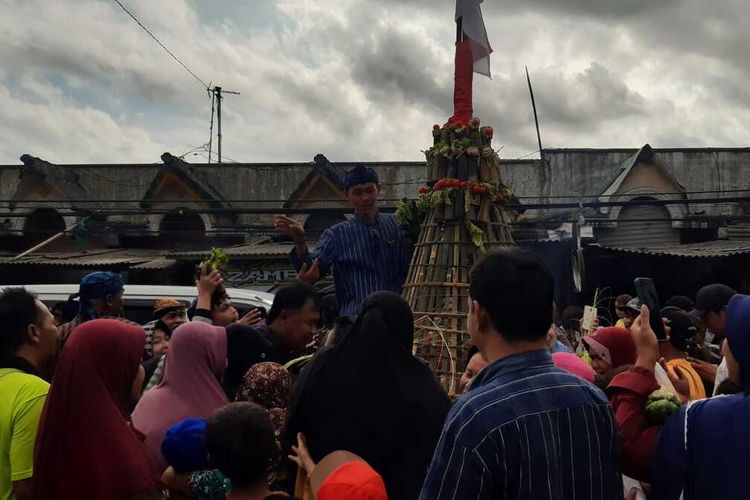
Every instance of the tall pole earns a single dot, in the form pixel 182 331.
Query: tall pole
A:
pixel 218 118
pixel 536 118
pixel 211 127
pixel 544 177
pixel 216 98
pixel 50 240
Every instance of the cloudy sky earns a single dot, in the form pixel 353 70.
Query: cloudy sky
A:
pixel 361 80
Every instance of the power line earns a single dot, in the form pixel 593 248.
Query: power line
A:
pixel 509 206
pixel 692 201
pixel 204 84
pixel 528 154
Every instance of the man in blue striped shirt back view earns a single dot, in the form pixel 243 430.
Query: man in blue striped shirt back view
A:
pixel 369 253
pixel 526 429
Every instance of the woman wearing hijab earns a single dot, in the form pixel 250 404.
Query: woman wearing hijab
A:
pixel 191 385
pixel 573 364
pixel 269 385
pixel 698 451
pixel 371 396
pixel 245 348
pixel 87 446
pixel 612 351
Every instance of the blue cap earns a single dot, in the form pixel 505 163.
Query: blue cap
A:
pixel 184 446
pixel 360 175
pixel 100 284
pixel 96 286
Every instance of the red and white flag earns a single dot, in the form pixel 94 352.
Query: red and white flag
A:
pixel 473 28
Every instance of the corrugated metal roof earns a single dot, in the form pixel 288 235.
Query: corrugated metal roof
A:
pixel 156 264
pixel 709 249
pixel 251 250
pixel 95 258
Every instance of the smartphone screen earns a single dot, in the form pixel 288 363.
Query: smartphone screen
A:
pixel 589 315
pixel 646 290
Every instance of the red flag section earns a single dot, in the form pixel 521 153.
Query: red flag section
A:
pixel 472 56
pixel 463 109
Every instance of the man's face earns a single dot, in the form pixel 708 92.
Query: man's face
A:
pixel 716 322
pixel 115 304
pixel 628 318
pixel 476 364
pixel 296 327
pixel 363 198
pixel 45 333
pixel 57 316
pixel 173 319
pixel 224 314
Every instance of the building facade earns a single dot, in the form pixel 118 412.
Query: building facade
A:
pixel 599 217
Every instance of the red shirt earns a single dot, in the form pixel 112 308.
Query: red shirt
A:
pixel 628 393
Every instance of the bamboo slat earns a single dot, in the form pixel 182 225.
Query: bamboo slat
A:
pixel 438 279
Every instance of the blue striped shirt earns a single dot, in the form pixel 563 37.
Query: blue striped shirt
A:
pixel 364 258
pixel 527 430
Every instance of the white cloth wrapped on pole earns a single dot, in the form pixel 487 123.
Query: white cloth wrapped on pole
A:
pixel 473 28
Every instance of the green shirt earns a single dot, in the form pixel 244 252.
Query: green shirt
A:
pixel 21 405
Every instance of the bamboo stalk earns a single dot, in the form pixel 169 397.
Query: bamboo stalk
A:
pixel 446 284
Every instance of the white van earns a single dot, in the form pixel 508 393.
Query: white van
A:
pixel 139 299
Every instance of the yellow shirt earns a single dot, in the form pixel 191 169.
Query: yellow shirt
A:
pixel 620 323
pixel 682 369
pixel 21 405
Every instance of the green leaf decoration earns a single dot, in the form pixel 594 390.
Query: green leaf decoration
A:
pixel 477 236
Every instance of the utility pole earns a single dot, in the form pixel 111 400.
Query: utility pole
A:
pixel 217 91
pixel 218 117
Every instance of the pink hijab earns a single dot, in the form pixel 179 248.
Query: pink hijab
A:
pixel 194 365
pixel 573 364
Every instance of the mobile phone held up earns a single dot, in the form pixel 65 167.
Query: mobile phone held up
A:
pixel 589 315
pixel 646 291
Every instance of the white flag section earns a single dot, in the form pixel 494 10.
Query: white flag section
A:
pixel 473 28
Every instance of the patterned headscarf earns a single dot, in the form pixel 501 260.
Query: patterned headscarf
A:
pixel 93 286
pixel 269 385
pixel 162 307
pixel 614 345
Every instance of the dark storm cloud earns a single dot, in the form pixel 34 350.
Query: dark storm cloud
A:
pixel 592 96
pixel 395 64
pixel 366 79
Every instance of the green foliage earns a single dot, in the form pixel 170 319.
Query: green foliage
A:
pixel 477 235
pixel 408 216
pixel 219 260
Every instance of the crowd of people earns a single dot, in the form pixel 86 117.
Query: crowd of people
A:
pixel 301 402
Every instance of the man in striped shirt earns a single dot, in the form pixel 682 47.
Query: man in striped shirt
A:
pixel 369 253
pixel 526 429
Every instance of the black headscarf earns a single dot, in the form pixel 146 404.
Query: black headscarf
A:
pixel 245 347
pixel 369 395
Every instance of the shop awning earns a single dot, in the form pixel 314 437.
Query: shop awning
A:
pixel 708 249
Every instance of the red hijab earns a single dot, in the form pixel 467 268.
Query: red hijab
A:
pixel 86 446
pixel 614 345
